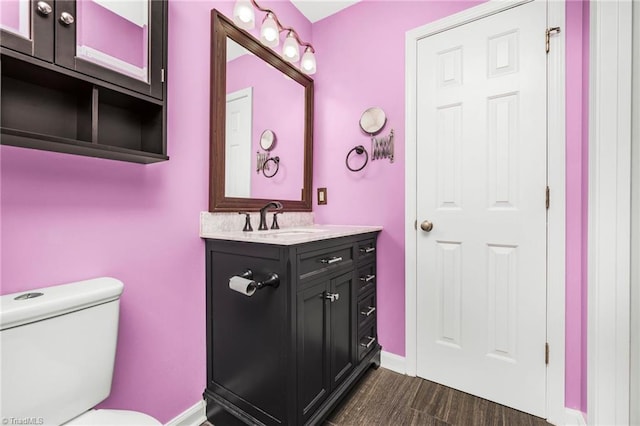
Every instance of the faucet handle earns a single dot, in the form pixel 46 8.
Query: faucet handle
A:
pixel 274 224
pixel 247 222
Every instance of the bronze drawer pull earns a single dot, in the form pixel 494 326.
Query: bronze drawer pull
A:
pixel 367 278
pixel 371 309
pixel 367 249
pixel 367 345
pixel 331 260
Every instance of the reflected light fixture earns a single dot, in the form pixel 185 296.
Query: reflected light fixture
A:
pixel 244 17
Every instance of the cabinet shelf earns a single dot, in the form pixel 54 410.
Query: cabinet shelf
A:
pixel 47 110
pixel 33 140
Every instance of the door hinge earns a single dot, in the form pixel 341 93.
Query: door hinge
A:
pixel 547 202
pixel 162 75
pixel 548 32
pixel 546 353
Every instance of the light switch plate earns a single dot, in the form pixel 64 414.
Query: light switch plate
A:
pixel 322 196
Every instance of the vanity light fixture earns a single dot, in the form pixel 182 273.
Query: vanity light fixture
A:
pixel 291 49
pixel 269 34
pixel 308 62
pixel 244 17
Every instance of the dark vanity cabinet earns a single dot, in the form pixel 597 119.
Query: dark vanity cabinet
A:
pixel 86 78
pixel 287 355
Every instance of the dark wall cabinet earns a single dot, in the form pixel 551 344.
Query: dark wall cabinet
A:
pixel 287 355
pixel 86 78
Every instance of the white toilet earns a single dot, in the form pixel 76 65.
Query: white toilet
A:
pixel 58 347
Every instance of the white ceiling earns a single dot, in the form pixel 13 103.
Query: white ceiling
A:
pixel 316 10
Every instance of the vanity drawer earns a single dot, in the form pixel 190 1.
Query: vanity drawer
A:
pixel 366 278
pixel 366 250
pixel 367 339
pixel 366 308
pixel 324 260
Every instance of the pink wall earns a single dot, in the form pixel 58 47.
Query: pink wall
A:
pixel 364 68
pixel 67 218
pixel 278 104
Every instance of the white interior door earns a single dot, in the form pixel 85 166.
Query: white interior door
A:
pixel 481 179
pixel 239 127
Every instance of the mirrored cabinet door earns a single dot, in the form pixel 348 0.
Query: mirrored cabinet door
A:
pixel 27 27
pixel 118 41
pixel 114 40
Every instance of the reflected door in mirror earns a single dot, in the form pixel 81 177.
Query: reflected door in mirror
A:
pixel 238 144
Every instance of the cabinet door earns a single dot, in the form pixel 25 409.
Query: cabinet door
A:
pixel 116 41
pixel 342 336
pixel 26 26
pixel 313 348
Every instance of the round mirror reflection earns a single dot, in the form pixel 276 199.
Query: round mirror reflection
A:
pixel 267 140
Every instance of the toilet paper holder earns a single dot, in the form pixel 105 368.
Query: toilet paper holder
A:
pixel 273 280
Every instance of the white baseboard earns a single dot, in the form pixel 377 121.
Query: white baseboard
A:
pixel 393 362
pixel 574 418
pixel 192 416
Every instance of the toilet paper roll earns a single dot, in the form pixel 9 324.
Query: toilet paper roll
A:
pixel 242 285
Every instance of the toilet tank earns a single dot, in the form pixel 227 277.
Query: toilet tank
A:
pixel 57 348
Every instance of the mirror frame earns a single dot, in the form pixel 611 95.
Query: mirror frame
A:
pixel 221 28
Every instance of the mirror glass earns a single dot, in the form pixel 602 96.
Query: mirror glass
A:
pixel 260 97
pixel 114 34
pixel 15 17
pixel 256 94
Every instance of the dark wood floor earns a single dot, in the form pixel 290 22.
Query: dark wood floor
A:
pixel 386 398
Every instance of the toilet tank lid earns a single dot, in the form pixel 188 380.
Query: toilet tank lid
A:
pixel 29 306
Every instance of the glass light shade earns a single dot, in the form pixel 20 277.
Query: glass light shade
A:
pixel 308 62
pixel 269 34
pixel 243 15
pixel 291 49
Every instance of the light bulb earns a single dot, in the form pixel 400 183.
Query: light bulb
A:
pixel 269 34
pixel 290 49
pixel 243 15
pixel 308 62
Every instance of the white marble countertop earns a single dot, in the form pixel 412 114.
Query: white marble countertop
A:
pixel 290 235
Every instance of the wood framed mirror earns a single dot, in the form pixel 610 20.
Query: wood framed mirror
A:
pixel 291 106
